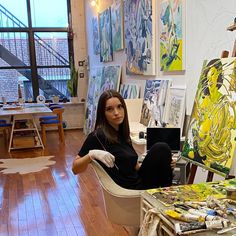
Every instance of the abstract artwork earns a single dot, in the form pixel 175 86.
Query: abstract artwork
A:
pixel 154 102
pixel 92 98
pixel 175 107
pixel 210 141
pixel 100 79
pixel 139 37
pixel 129 91
pixel 171 35
pixel 96 44
pixel 106 53
pixel 117 25
pixel 110 78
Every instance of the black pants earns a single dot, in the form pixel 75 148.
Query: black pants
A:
pixel 156 170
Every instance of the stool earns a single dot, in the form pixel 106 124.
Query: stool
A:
pixel 54 120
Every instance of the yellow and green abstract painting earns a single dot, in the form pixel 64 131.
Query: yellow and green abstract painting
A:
pixel 171 35
pixel 210 141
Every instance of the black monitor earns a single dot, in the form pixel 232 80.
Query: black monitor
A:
pixel 171 136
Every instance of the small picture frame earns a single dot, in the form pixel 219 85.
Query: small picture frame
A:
pixel 175 107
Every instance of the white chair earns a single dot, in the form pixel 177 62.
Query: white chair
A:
pixel 122 205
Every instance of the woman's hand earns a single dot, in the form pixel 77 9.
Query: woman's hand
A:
pixel 173 163
pixel 105 157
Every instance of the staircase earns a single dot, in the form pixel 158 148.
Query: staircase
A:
pixel 14 51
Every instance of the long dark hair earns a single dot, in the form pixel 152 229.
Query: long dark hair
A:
pixel 102 123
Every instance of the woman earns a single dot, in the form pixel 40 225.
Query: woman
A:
pixel 111 146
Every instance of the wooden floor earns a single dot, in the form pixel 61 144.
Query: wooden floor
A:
pixel 53 201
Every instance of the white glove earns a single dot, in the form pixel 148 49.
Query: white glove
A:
pixel 105 157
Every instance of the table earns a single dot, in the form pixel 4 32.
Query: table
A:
pixel 24 117
pixel 166 225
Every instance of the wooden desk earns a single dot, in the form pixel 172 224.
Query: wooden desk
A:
pixel 25 113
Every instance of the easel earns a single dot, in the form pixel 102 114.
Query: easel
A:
pixel 193 168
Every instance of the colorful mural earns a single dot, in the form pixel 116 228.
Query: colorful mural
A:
pixel 139 32
pixel 117 25
pixel 171 35
pixel 210 141
pixel 106 53
pixel 154 102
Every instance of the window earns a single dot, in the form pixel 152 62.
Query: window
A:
pixel 35 48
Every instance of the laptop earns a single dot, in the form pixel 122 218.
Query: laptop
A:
pixel 171 136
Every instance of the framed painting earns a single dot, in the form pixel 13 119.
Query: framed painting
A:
pixel 117 25
pixel 171 35
pixel 139 32
pixel 110 78
pixel 129 91
pixel 106 52
pixel 96 44
pixel 175 107
pixel 210 141
pixel 154 102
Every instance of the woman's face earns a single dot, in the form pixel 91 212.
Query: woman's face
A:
pixel 114 112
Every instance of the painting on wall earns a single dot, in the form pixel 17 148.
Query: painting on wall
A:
pixel 139 34
pixel 100 79
pixel 117 25
pixel 175 107
pixel 110 78
pixel 210 141
pixel 106 52
pixel 96 44
pixel 171 35
pixel 92 98
pixel 154 102
pixel 129 91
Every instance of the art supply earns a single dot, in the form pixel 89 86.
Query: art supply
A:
pixel 207 225
pixel 183 217
pixel 231 193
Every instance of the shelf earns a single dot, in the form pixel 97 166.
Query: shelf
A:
pixel 24 134
pixel 25 129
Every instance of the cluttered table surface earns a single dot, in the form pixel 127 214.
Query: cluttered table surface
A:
pixel 202 209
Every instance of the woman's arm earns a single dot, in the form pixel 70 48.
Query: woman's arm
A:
pixel 80 164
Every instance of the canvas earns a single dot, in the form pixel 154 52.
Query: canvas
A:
pixel 175 107
pixel 106 53
pixel 96 44
pixel 117 25
pixel 139 37
pixel 171 35
pixel 92 98
pixel 210 141
pixel 154 102
pixel 129 91
pixel 100 79
pixel 110 78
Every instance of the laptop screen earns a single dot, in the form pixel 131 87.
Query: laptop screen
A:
pixel 171 136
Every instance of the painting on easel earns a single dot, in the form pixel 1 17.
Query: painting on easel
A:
pixel 210 142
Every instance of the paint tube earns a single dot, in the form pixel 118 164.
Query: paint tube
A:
pixel 181 216
pixel 216 224
pixel 195 226
pixel 202 214
pixel 186 227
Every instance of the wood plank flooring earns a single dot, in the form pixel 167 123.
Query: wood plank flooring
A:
pixel 53 201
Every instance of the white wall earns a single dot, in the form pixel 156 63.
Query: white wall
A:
pixel 205 36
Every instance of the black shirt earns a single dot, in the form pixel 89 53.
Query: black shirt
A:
pixel 125 159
